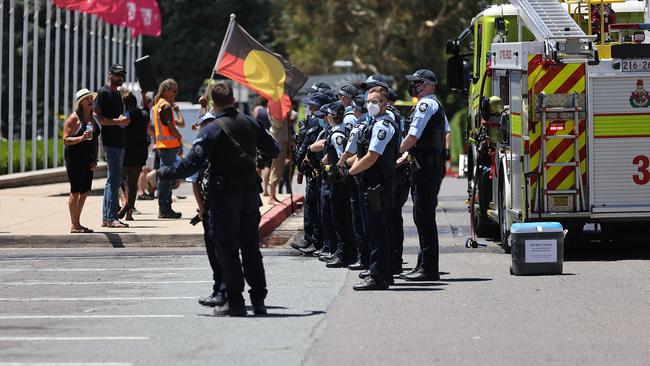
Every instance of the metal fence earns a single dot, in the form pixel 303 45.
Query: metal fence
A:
pixel 78 50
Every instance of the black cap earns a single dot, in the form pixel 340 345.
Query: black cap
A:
pixel 117 69
pixel 359 102
pixel 320 86
pixel 335 109
pixel 392 95
pixel 375 80
pixel 318 99
pixel 348 90
pixel 425 76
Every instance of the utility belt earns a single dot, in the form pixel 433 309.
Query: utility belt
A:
pixel 332 175
pixel 218 183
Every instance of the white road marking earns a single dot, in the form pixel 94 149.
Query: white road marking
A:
pixel 96 298
pixel 103 269
pixel 98 283
pixel 20 339
pixel 65 364
pixel 42 259
pixel 9 317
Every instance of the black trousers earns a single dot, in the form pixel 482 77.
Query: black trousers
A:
pixel 396 221
pixel 233 220
pixel 211 249
pixel 359 223
pixel 326 224
pixel 342 219
pixel 379 239
pixel 424 192
pixel 311 215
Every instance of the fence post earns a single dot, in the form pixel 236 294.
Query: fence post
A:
pixel 2 17
pixel 23 92
pixel 57 88
pixel 35 83
pixel 46 86
pixel 107 48
pixel 84 50
pixel 93 39
pixel 11 87
pixel 66 66
pixel 75 56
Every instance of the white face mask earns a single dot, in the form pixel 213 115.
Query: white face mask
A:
pixel 373 109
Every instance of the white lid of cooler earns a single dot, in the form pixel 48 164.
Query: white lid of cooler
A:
pixel 536 227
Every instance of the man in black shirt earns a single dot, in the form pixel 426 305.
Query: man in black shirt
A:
pixel 109 109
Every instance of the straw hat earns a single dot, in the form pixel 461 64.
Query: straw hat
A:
pixel 81 95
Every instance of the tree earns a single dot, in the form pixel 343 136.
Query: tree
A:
pixel 192 34
pixel 394 38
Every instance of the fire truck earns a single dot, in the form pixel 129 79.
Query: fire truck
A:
pixel 559 114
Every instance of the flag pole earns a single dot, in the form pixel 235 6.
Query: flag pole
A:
pixel 226 37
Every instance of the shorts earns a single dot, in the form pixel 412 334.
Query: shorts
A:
pixel 81 178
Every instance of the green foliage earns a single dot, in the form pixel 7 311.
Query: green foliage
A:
pixel 40 147
pixel 458 124
pixel 192 35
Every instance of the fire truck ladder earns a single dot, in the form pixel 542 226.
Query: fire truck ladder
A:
pixel 574 136
pixel 551 23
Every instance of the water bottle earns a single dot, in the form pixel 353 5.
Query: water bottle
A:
pixel 89 128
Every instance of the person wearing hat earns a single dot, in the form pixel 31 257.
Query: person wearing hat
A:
pixel 425 142
pixel 356 196
pixel 346 94
pixel 109 109
pixel 80 135
pixel 374 165
pixel 307 163
pixel 344 246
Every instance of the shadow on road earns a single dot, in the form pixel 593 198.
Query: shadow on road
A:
pixel 274 315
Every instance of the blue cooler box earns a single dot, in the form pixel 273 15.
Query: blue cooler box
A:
pixel 537 248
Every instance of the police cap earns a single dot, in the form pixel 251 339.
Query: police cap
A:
pixel 348 90
pixel 392 95
pixel 423 75
pixel 335 109
pixel 359 102
pixel 320 86
pixel 375 80
pixel 318 99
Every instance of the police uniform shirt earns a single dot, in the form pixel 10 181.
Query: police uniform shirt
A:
pixel 353 140
pixel 425 109
pixel 349 119
pixel 382 133
pixel 337 139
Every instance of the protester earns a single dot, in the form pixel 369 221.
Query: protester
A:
pixel 135 150
pixel 280 132
pixel 166 117
pixel 80 135
pixel 261 114
pixel 109 109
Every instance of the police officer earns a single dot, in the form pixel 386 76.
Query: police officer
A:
pixel 375 163
pixel 346 95
pixel 308 134
pixel 402 188
pixel 426 143
pixel 339 209
pixel 228 145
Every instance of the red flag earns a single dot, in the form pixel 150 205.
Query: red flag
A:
pixel 146 17
pixel 246 61
pixel 85 6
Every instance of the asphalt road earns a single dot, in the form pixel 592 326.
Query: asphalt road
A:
pixel 138 306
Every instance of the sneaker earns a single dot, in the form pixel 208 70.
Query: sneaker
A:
pixel 226 310
pixel 171 214
pixel 145 197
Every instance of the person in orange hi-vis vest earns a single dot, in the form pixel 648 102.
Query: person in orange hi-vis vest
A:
pixel 166 117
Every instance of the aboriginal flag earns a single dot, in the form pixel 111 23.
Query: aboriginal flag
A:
pixel 247 62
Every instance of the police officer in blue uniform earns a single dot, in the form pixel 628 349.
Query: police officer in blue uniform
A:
pixel 333 145
pixel 229 145
pixel 307 165
pixel 425 142
pixel 375 164
pixel 346 96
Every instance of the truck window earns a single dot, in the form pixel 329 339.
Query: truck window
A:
pixel 479 51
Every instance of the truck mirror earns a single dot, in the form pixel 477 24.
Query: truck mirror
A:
pixel 453 47
pixel 456 78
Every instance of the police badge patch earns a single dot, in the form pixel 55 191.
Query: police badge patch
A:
pixel 381 135
pixel 339 140
pixel 423 107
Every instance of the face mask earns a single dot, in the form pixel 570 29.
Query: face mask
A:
pixel 322 123
pixel 373 109
pixel 414 90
